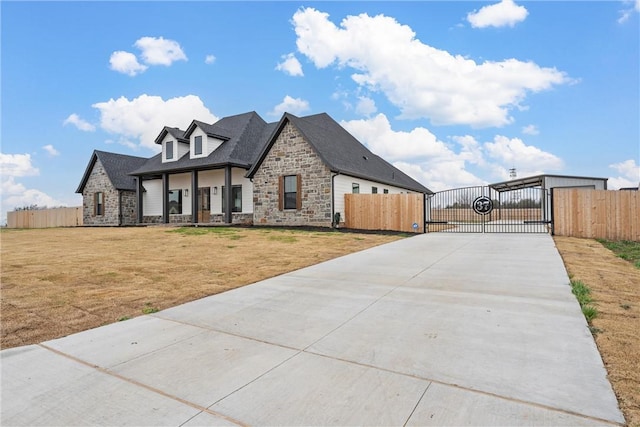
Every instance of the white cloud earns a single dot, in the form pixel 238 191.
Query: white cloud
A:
pixel 418 153
pixel 531 130
pixel 155 51
pixel 629 175
pixel 440 165
pixel 51 150
pixel 626 13
pixel 81 124
pixel 160 51
pixel 143 118
pixel 290 65
pixel 393 145
pixel 209 59
pixel 13 165
pixel 15 195
pixel 470 150
pixel 420 80
pixel 295 106
pixel 514 153
pixel 439 176
pixel 126 63
pixel 366 106
pixel 505 13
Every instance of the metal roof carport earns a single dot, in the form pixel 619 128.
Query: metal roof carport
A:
pixel 548 182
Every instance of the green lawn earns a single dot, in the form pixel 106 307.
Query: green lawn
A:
pixel 625 249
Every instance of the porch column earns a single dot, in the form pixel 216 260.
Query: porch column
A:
pixel 165 198
pixel 139 193
pixel 194 197
pixel 228 197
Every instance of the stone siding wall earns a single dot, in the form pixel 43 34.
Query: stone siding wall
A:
pixel 99 182
pixel 236 218
pixel 129 203
pixel 292 155
pixel 173 219
pixel 152 219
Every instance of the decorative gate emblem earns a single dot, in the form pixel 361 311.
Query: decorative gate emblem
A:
pixel 482 205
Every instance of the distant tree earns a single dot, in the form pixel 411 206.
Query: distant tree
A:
pixel 33 207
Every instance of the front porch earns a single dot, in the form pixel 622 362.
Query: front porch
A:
pixel 195 197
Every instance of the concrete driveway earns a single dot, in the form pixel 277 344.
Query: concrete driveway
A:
pixel 438 329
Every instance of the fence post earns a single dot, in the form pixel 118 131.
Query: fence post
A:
pixel 553 220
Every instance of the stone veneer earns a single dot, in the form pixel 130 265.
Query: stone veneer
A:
pixel 291 154
pixel 236 218
pixel 129 203
pixel 99 182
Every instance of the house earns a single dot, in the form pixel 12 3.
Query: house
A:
pixel 292 172
pixel 109 192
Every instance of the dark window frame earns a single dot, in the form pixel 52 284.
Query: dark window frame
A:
pixel 197 144
pixel 374 190
pixel 177 207
pixel 290 200
pixel 234 196
pixel 385 191
pixel 98 203
pixel 355 188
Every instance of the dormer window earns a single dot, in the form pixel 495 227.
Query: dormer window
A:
pixel 197 145
pixel 169 150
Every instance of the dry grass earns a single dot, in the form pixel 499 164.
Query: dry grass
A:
pixel 59 281
pixel 615 289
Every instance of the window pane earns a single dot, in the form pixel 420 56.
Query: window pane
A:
pixel 374 190
pixel 99 201
pixel 169 150
pixel 175 202
pixel 237 199
pixel 236 196
pixel 290 184
pixel 355 188
pixel 198 145
pixel 289 200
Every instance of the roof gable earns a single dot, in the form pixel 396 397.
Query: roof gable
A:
pixel 341 152
pixel 244 135
pixel 214 130
pixel 117 167
pixel 174 132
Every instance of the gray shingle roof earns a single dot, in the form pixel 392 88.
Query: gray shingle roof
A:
pixel 247 138
pixel 343 153
pixel 243 137
pixel 174 132
pixel 117 167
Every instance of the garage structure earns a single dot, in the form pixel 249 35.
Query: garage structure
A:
pixel 522 205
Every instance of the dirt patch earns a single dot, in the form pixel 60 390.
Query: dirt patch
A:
pixel 615 289
pixel 55 282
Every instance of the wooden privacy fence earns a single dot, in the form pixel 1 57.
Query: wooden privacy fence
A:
pixel 395 212
pixel 596 214
pixel 43 218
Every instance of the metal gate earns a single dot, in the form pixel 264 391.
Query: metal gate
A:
pixel 486 210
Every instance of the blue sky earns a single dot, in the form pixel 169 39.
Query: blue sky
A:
pixel 453 93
